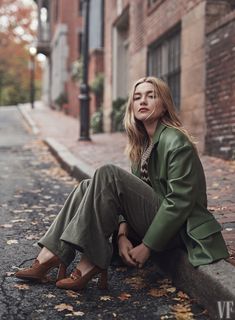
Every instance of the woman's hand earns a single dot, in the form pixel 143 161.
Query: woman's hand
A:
pixel 140 254
pixel 124 246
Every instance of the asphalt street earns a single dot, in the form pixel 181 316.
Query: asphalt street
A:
pixel 33 188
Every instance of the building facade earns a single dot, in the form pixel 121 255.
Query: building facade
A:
pixel 60 36
pixel 189 44
pixel 172 40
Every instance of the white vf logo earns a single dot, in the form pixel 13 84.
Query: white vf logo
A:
pixel 225 309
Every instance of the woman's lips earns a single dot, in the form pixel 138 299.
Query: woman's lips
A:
pixel 143 109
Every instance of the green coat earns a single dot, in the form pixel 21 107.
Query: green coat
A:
pixel 178 178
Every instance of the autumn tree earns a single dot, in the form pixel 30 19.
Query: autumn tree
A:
pixel 16 34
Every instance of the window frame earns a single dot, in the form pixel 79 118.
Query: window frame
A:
pixel 169 68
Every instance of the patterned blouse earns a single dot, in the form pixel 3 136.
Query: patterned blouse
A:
pixel 144 163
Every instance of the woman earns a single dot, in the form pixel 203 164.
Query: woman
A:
pixel 162 203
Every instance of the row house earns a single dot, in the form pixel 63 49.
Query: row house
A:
pixel 60 33
pixel 189 44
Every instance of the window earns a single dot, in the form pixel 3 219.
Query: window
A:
pixel 164 63
pixel 80 39
pixel 80 3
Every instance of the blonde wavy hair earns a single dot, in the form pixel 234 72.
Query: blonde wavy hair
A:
pixel 136 133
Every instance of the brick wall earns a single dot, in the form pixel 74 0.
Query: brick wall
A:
pixel 68 15
pixel 220 93
pixel 146 25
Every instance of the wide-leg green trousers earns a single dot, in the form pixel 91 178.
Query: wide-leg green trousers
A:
pixel 90 215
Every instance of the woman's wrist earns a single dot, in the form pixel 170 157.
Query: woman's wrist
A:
pixel 121 234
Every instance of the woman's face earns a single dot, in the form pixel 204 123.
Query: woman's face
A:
pixel 147 106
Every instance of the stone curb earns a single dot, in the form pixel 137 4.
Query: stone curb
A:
pixel 28 119
pixel 208 284
pixel 76 168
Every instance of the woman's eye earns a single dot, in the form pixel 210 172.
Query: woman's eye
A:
pixel 137 97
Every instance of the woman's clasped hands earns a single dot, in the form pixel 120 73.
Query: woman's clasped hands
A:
pixel 133 256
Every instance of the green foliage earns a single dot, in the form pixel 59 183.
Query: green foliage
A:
pixel 61 99
pixel 97 86
pixel 77 70
pixel 118 112
pixel 97 121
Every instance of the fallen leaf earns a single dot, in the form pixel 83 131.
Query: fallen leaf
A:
pixel 75 313
pixel 18 211
pixel 182 295
pixel 50 295
pixel 105 298
pixel 157 292
pixel 124 296
pixel 182 312
pixel 12 241
pixel 114 314
pixel 6 225
pixel 18 220
pixel 63 306
pixel 136 282
pixel 21 286
pixel 9 274
pixel 72 294
pixel 182 308
pixel 171 289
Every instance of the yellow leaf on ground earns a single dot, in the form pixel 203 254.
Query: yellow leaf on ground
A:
pixel 6 225
pixel 21 286
pixel 171 289
pixel 75 313
pixel 63 306
pixel 72 294
pixel 78 313
pixel 182 295
pixel 124 296
pixel 157 292
pixel 136 282
pixel 105 298
pixel 50 295
pixel 12 241
pixel 182 312
pixel 182 308
pixel 18 220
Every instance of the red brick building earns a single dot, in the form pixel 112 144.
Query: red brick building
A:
pixel 171 39
pixel 190 44
pixel 220 87
pixel 60 30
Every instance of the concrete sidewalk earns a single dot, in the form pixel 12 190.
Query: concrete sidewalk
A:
pixel 208 284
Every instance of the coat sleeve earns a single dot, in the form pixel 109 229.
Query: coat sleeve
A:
pixel 179 199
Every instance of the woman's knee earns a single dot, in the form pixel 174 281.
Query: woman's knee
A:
pixel 106 169
pixel 84 184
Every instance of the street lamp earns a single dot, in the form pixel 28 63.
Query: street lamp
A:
pixel 32 53
pixel 84 87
